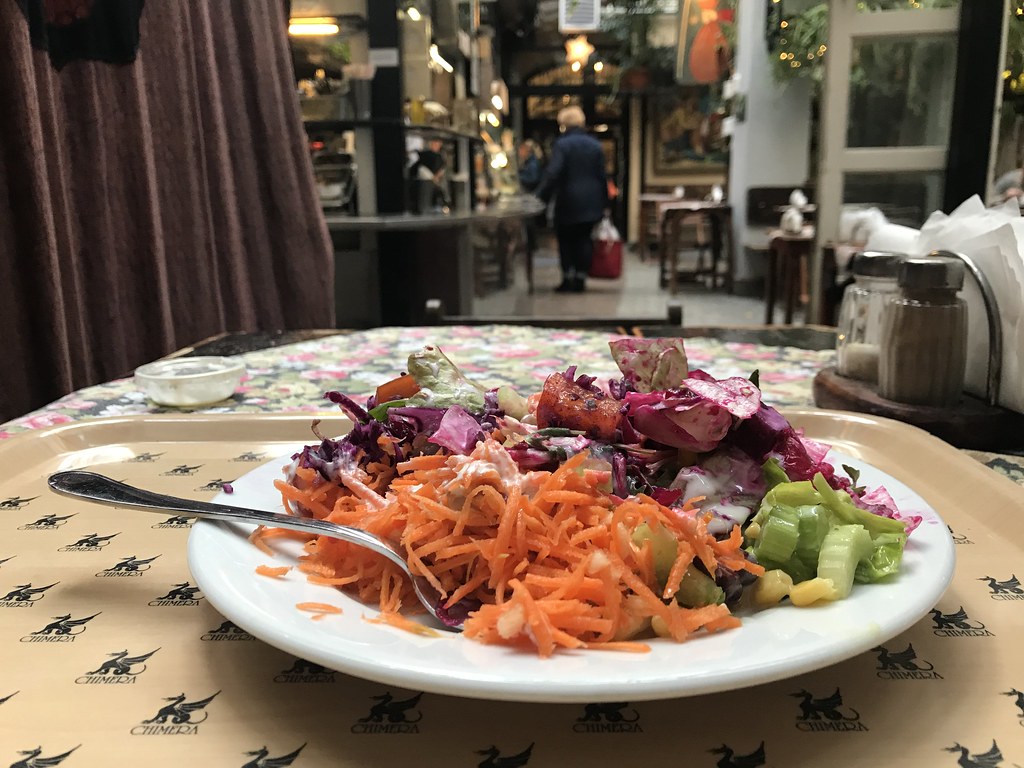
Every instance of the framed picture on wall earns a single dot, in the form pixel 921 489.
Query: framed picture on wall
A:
pixel 706 37
pixel 684 133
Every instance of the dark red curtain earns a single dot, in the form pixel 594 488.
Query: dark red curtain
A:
pixel 148 205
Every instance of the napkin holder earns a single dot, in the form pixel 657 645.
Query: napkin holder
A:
pixel 972 423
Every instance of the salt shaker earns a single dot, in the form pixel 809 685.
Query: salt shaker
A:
pixel 924 335
pixel 860 315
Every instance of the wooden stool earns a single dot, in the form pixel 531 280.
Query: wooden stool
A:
pixel 788 255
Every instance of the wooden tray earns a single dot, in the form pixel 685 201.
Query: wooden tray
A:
pixel 970 424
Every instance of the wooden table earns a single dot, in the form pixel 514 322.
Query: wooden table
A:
pixel 672 213
pixel 649 207
pixel 786 253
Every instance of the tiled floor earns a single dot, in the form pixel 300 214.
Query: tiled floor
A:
pixel 636 294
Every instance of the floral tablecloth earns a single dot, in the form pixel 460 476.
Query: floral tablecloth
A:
pixel 294 377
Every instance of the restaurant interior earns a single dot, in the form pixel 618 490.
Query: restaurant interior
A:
pixel 564 382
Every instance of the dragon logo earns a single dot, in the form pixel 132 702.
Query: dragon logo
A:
pixel 826 714
pixel 129 566
pixel 178 521
pixel 260 758
pixel 65 626
pixel 1004 590
pixel 390 716
pixel 303 671
pixel 179 717
pixel 145 458
pixel 957 624
pixel 183 470
pixel 214 485
pixel 730 759
pixel 990 759
pixel 1019 696
pixel 494 759
pixel 119 668
pixel 93 542
pixel 15 502
pixel 608 717
pixel 47 523
pixel 249 457
pixel 958 538
pixel 24 595
pixel 903 665
pixel 227 631
pixel 32 758
pixel 180 594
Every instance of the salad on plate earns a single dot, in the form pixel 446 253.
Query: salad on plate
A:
pixel 592 514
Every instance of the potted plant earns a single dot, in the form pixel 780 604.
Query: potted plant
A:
pixel 640 64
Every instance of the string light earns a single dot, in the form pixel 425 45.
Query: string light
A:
pixel 796 54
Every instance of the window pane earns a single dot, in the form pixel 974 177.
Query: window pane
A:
pixel 867 6
pixel 901 92
pixel 907 197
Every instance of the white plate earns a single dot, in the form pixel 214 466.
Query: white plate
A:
pixel 771 645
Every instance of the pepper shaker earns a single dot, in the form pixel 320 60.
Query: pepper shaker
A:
pixel 924 335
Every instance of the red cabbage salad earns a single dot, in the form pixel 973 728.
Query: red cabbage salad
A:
pixel 679 436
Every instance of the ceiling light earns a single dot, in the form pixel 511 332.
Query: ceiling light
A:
pixel 413 13
pixel 576 66
pixel 437 58
pixel 313 26
pixel 598 66
pixel 578 49
pixel 497 102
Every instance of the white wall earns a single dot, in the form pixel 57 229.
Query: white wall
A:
pixel 770 148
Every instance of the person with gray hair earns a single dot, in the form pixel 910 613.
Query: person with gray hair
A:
pixel 576 178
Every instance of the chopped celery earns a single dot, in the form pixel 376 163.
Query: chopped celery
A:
pixel 773 473
pixel 844 547
pixel 512 403
pixel 663 546
pixel 779 534
pixel 848 513
pixel 815 523
pixel 886 555
pixel 697 589
pixel 792 494
pixel 802 524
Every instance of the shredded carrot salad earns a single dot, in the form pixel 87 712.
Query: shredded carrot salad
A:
pixel 549 556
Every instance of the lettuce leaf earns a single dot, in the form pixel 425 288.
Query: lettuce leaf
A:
pixel 651 364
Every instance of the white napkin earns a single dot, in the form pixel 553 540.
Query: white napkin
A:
pixel 895 238
pixel 994 239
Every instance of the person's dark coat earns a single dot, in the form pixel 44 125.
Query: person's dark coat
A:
pixel 576 177
pixel 530 173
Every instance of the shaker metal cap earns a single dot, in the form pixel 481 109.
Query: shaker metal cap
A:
pixel 939 273
pixel 877 263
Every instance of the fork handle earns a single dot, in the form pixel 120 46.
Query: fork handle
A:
pixel 105 490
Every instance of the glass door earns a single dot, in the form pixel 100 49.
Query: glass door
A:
pixel 886 113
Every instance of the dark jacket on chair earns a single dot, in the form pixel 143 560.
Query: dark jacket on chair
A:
pixel 576 177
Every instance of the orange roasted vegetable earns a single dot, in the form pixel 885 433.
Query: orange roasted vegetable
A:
pixel 564 403
pixel 397 389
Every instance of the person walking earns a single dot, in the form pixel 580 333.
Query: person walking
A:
pixel 576 178
pixel 530 172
